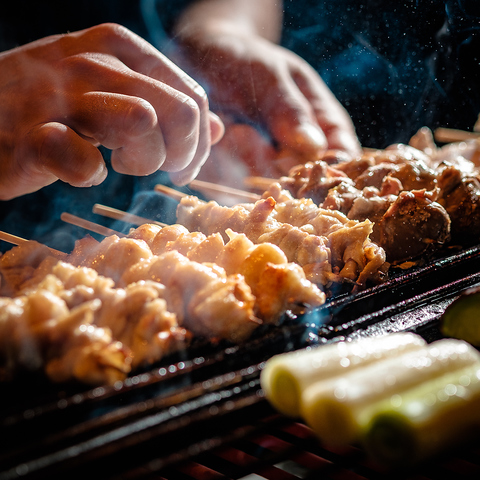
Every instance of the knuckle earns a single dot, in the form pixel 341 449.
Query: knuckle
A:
pixel 81 65
pixel 200 96
pixel 187 114
pixel 110 30
pixel 140 117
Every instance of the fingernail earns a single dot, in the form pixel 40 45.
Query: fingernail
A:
pixel 217 131
pixel 100 175
pixel 182 178
pixel 310 135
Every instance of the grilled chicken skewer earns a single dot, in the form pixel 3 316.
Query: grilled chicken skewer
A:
pixel 277 284
pixel 344 254
pixel 202 296
pixel 38 331
pixel 419 197
pixel 76 325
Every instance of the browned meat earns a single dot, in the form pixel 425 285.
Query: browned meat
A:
pixel 413 226
pixel 406 225
pixel 460 196
pixel 412 176
pixel 373 176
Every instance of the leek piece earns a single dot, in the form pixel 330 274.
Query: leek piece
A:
pixel 426 420
pixel 287 375
pixel 338 409
pixel 461 318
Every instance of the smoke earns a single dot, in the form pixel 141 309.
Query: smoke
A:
pixel 394 67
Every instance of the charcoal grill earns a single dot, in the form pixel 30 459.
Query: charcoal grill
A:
pixel 202 415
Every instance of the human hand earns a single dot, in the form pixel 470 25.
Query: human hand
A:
pixel 254 79
pixel 64 95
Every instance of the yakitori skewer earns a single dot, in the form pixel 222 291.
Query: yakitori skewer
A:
pixel 233 195
pixel 170 192
pixel 15 240
pixel 323 256
pixel 126 217
pixel 87 225
pixel 208 187
pixel 259 183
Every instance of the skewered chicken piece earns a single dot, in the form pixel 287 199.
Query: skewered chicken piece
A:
pixel 460 196
pixel 21 264
pixel 114 256
pixel 407 226
pixel 276 284
pixel 202 295
pixel 136 315
pixel 353 258
pixel 446 176
pixel 205 299
pixel 457 166
pixel 38 331
pixel 348 240
pixel 276 288
pixel 453 170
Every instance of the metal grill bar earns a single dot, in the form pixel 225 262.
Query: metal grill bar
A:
pixel 160 421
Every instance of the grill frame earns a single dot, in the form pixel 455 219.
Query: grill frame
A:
pixel 161 419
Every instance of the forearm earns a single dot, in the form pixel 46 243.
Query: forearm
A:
pixel 257 17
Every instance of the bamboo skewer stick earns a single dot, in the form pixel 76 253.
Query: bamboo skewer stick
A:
pixel 213 187
pixel 126 217
pixel 259 183
pixel 449 135
pixel 92 226
pixel 170 192
pixel 177 195
pixel 15 240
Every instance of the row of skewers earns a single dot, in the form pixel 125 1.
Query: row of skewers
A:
pixel 127 301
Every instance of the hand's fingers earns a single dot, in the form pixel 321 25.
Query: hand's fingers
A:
pixel 127 125
pixel 177 114
pixel 53 150
pixel 217 131
pixel 141 57
pixel 177 79
pixel 291 120
pixel 217 128
pixel 329 113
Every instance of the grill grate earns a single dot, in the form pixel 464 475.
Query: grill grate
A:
pixel 202 415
